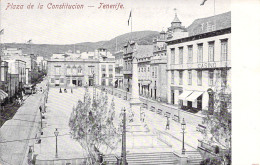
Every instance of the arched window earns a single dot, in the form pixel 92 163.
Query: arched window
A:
pixel 74 70
pixel 68 70
pixel 79 70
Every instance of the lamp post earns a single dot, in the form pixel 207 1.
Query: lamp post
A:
pixel 56 133
pixel 183 127
pixel 123 154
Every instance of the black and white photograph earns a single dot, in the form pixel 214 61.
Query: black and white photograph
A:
pixel 105 82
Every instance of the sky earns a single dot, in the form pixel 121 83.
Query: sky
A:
pixel 91 24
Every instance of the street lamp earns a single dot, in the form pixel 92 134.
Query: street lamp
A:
pixel 183 127
pixel 56 133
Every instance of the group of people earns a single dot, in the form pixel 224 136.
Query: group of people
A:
pixel 65 90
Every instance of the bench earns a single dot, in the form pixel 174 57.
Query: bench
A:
pixel 176 118
pixel 201 128
pixel 159 111
pixel 167 114
pixel 152 108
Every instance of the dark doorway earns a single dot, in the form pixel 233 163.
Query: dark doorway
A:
pixel 80 83
pixel 74 82
pixel 90 82
pixel 173 97
pixel 199 103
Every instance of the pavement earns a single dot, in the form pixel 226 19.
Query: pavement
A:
pixel 15 134
pixel 59 108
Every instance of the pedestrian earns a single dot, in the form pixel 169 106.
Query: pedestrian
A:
pixel 168 124
pixel 143 116
pixel 60 90
pixel 71 90
pixel 65 90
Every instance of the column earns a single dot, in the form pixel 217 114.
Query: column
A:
pixel 134 101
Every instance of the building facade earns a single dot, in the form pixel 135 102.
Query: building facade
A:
pixel 80 69
pixel 158 87
pixel 143 54
pixel 119 69
pixel 200 62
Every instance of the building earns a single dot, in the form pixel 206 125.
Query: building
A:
pixel 4 73
pixel 143 54
pixel 158 64
pixel 119 69
pixel 199 62
pixel 18 67
pixel 32 73
pixel 80 69
pixel 106 67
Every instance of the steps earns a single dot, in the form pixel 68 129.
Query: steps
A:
pixel 155 158
pixel 194 157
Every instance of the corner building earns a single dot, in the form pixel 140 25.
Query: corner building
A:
pixel 199 62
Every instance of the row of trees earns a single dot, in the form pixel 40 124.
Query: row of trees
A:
pixel 92 125
pixel 218 120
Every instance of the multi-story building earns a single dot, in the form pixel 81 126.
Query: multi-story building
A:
pixel 4 73
pixel 199 62
pixel 32 73
pixel 158 87
pixel 143 54
pixel 18 67
pixel 106 67
pixel 119 69
pixel 75 69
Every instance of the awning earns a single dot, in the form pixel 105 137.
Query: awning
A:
pixel 194 96
pixel 185 94
pixel 3 95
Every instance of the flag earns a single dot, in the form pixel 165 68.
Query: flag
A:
pixel 2 32
pixel 130 16
pixel 203 2
pixel 28 42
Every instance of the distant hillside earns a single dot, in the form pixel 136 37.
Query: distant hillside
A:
pixel 46 50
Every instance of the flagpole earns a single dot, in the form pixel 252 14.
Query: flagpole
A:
pixel 131 24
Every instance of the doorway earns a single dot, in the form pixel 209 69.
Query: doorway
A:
pixel 74 82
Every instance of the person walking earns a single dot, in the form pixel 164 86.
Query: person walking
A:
pixel 60 90
pixel 71 90
pixel 168 124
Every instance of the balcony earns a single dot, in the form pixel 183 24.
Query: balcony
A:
pixel 203 65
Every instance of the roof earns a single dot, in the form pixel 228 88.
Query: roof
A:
pixel 213 23
pixel 144 51
pixel 176 19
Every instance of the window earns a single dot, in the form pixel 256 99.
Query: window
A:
pixel 180 77
pixel 181 55
pixel 211 77
pixel 103 82
pixel 200 52
pixel 90 70
pixel 224 50
pixel 110 75
pixel 199 76
pixel 68 81
pixel 103 75
pixel 144 69
pixel 103 68
pixel 110 68
pixel 190 77
pixel 57 70
pixel 211 51
pixel 223 78
pixel 139 69
pixel 155 72
pixel 172 78
pixel 52 80
pixel 61 80
pixel 74 70
pixel 190 54
pixel 79 70
pixel 148 69
pixel 173 56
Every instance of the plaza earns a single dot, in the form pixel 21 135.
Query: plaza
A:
pixel 140 138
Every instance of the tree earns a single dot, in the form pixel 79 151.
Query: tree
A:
pixel 92 125
pixel 218 120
